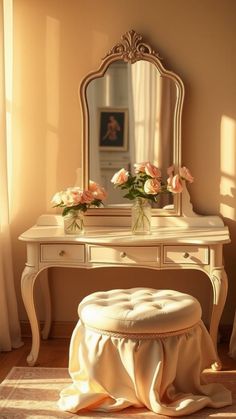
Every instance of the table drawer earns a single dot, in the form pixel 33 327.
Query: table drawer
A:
pixel 70 253
pixel 193 255
pixel 124 255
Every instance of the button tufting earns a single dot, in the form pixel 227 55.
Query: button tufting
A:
pixel 140 310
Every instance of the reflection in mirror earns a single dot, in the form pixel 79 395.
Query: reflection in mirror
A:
pixel 131 119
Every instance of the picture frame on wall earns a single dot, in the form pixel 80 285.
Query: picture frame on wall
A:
pixel 113 129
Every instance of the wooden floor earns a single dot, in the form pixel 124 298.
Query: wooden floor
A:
pixel 54 353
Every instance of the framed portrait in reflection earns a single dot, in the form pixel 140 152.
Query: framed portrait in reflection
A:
pixel 113 129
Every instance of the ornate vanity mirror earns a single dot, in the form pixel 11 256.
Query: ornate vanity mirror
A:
pixel 132 109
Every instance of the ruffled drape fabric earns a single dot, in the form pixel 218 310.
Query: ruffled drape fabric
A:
pixel 110 373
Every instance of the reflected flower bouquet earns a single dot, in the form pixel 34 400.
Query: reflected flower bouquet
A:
pixel 147 182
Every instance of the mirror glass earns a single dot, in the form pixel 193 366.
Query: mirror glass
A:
pixel 131 119
pixel 132 110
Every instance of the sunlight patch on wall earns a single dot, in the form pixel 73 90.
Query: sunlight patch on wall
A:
pixel 228 167
pixel 228 148
pixel 52 166
pixel 52 71
pixel 52 104
pixel 227 191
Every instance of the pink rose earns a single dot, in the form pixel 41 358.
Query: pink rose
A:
pixel 120 177
pixel 152 170
pixel 76 197
pixel 140 167
pixel 175 184
pixel 71 197
pixel 152 186
pixel 185 174
pixel 57 198
pixel 97 190
pixel 86 197
pixel 93 186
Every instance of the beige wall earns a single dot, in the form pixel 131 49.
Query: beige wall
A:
pixel 56 42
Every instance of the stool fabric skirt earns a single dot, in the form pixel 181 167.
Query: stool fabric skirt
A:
pixel 112 370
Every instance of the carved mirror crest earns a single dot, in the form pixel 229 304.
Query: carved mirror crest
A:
pixel 132 89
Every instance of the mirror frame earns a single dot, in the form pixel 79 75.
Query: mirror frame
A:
pixel 130 49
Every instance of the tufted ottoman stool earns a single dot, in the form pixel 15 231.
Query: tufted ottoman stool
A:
pixel 141 347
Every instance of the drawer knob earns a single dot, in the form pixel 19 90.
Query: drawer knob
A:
pixel 62 253
pixel 186 255
pixel 123 254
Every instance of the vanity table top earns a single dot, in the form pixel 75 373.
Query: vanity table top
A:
pixel 115 235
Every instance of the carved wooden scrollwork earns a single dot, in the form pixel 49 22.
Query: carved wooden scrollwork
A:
pixel 132 48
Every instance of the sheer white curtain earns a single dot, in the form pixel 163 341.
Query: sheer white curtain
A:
pixel 151 104
pixel 144 81
pixel 9 322
pixel 94 155
pixel 151 101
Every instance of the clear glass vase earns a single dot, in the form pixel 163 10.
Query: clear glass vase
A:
pixel 74 222
pixel 141 216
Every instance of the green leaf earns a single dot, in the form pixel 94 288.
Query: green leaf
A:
pixel 65 211
pixel 129 196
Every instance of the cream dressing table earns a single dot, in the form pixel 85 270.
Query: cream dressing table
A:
pixel 184 247
pixel 180 238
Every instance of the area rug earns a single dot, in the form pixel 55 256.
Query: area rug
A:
pixel 32 393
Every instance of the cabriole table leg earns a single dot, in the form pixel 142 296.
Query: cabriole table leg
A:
pixel 27 286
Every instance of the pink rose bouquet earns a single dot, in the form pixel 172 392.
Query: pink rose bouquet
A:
pixel 147 181
pixel 75 198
